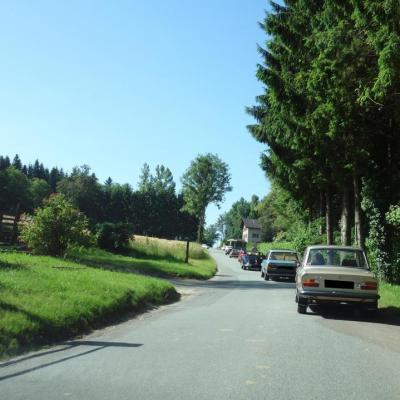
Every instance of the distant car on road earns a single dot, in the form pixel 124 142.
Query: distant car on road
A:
pixel 241 254
pixel 280 264
pixel 205 246
pixel 336 274
pixel 251 261
pixel 234 253
pixel 228 249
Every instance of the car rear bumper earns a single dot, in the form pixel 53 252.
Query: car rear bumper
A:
pixel 283 274
pixel 336 296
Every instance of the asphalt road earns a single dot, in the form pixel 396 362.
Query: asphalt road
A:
pixel 234 337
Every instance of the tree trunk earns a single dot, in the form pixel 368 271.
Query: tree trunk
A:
pixel 345 225
pixel 328 216
pixel 200 229
pixel 358 228
pixel 321 212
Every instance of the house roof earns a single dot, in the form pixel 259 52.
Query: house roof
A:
pixel 251 223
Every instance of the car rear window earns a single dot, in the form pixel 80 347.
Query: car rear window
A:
pixel 283 256
pixel 337 257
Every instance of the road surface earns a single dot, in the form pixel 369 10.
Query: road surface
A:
pixel 234 337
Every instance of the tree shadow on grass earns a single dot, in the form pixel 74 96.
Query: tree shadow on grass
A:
pixel 8 266
pixel 148 267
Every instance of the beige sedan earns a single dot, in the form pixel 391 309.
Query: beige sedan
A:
pixel 335 274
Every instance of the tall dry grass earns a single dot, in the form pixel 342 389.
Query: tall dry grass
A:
pixel 163 248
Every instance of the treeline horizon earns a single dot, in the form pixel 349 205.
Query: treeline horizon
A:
pixel 153 209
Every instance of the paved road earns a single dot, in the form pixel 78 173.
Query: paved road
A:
pixel 234 337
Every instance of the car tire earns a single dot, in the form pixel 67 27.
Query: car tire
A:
pixel 262 274
pixel 266 277
pixel 301 308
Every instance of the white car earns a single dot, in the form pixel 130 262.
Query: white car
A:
pixel 205 246
pixel 335 274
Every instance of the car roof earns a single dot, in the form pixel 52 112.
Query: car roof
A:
pixel 326 246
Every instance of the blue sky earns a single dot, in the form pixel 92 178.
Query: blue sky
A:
pixel 115 84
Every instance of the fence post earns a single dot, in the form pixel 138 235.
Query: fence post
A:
pixel 187 252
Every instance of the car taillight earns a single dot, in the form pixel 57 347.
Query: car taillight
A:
pixel 369 286
pixel 310 283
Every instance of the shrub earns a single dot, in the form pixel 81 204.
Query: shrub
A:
pixel 55 227
pixel 113 236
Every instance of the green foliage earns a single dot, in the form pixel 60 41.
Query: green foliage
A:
pixel 390 295
pixel 113 236
pixel 38 191
pixel 206 181
pixel 46 299
pixel 330 116
pixel 393 216
pixel 306 235
pixel 83 191
pixel 55 227
pixel 211 235
pixel 14 189
pixel 265 247
pixel 155 209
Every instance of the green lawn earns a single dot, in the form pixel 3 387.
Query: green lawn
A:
pixel 390 296
pixel 44 299
pixel 198 268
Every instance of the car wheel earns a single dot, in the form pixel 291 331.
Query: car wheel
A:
pixel 301 308
pixel 266 277
pixel 262 274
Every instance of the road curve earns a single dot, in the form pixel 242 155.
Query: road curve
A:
pixel 233 337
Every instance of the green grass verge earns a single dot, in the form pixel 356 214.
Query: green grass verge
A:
pixel 265 247
pixel 202 268
pixel 46 299
pixel 390 296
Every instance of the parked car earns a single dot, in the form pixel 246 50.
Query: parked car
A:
pixel 234 253
pixel 280 264
pixel 335 274
pixel 251 261
pixel 241 254
pixel 228 249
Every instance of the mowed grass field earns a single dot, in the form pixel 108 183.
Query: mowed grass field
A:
pixel 48 299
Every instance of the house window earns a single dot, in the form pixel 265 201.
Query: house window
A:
pixel 255 236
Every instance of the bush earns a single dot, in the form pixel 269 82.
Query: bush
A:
pixel 113 236
pixel 55 227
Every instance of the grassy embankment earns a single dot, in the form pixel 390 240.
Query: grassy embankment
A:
pixel 46 299
pixel 156 257
pixel 390 294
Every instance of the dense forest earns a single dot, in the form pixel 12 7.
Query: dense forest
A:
pixel 330 116
pixel 154 209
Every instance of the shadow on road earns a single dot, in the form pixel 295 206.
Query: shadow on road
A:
pixel 98 345
pixel 386 316
pixel 237 284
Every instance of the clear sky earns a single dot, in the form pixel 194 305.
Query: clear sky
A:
pixel 115 84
